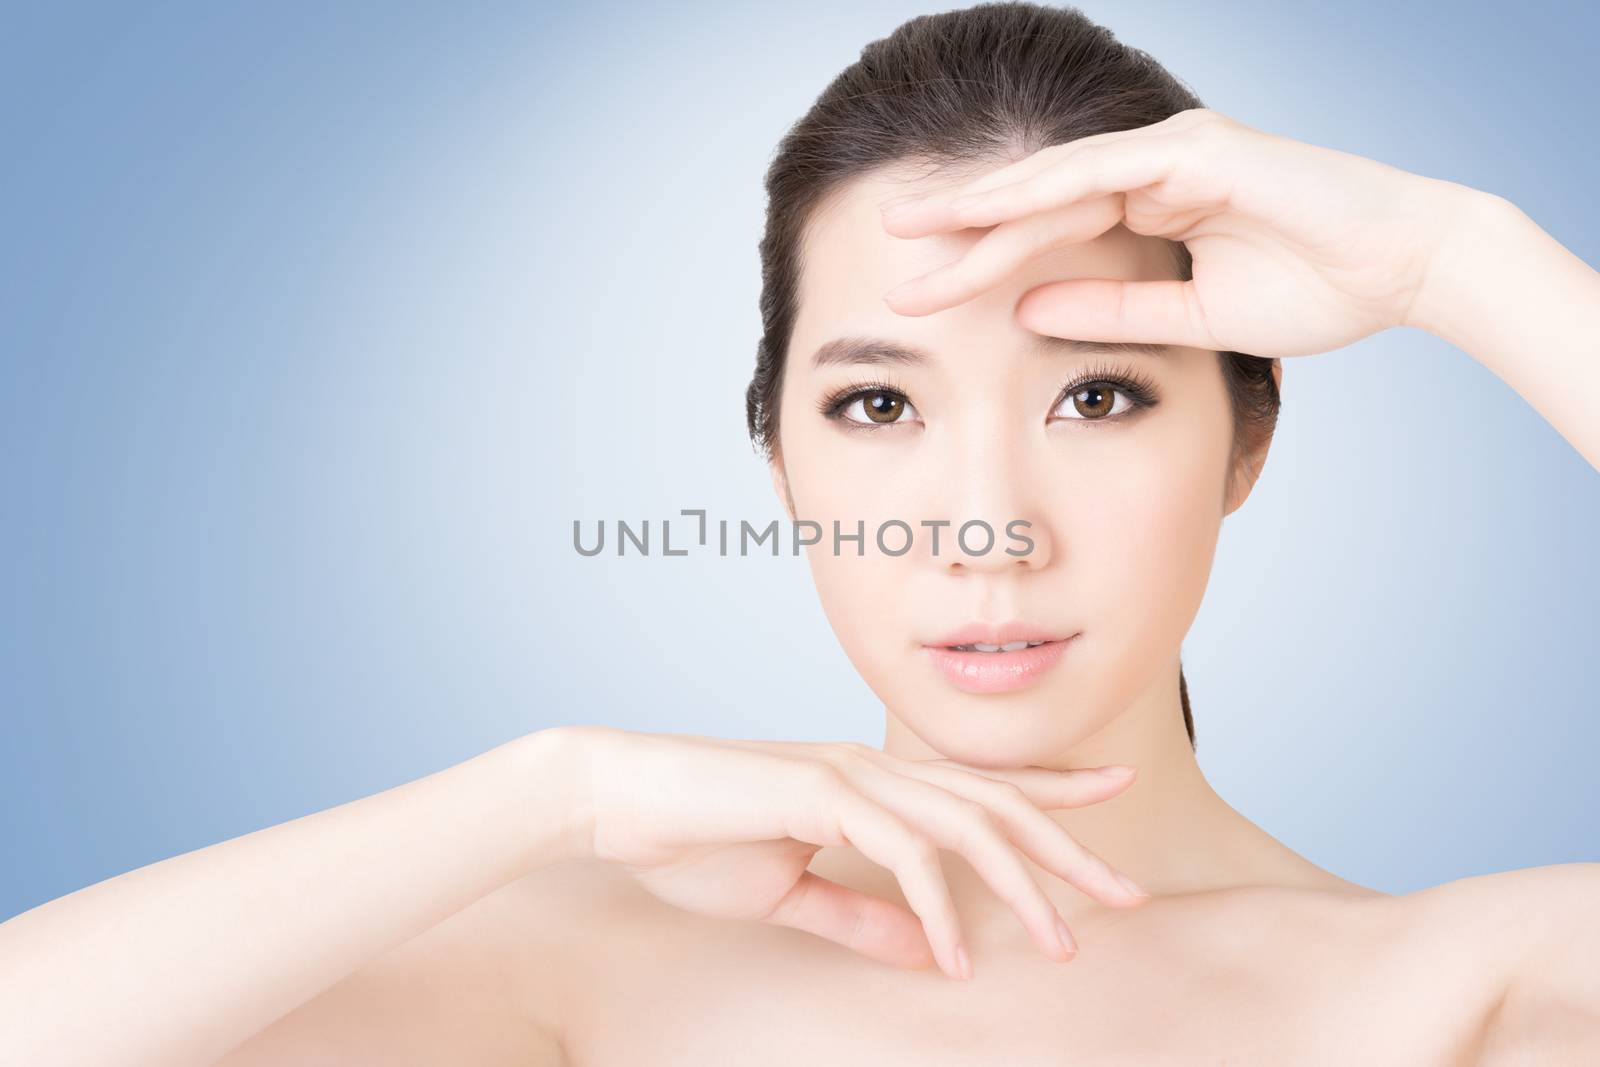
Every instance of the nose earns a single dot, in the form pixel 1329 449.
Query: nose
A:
pixel 995 493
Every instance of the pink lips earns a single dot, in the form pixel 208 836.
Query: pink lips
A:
pixel 996 672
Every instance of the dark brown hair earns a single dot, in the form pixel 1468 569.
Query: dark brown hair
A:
pixel 965 89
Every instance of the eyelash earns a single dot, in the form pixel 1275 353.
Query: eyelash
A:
pixel 1136 386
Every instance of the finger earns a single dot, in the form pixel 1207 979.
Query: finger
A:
pixel 834 812
pixel 910 216
pixel 872 926
pixel 968 827
pixel 1038 835
pixel 1001 252
pixel 1108 309
pixel 1044 787
pixel 896 209
pixel 1091 171
pixel 1086 169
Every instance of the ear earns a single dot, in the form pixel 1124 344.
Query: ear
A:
pixel 780 483
pixel 1243 476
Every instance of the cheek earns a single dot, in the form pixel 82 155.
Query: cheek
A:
pixel 858 596
pixel 862 591
pixel 1143 544
pixel 866 595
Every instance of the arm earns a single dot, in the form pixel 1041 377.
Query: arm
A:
pixel 182 960
pixel 1509 295
pixel 1540 923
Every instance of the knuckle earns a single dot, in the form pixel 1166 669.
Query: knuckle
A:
pixel 1215 136
pixel 978 820
pixel 790 905
pixel 819 775
pixel 920 851
pixel 1008 795
pixel 1018 198
pixel 841 751
pixel 589 732
pixel 1088 157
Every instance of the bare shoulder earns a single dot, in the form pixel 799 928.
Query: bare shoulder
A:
pixel 1537 932
pixel 493 984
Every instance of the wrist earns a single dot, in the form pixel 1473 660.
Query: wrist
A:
pixel 1477 233
pixel 547 774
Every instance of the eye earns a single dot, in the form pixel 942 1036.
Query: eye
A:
pixel 870 408
pixel 1096 402
pixel 880 408
pixel 1102 396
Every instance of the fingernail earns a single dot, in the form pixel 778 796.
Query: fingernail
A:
pixel 1066 936
pixel 963 961
pixel 1132 886
pixel 1116 770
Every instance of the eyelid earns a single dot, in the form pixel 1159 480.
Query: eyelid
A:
pixel 1131 383
pixel 850 400
pixel 833 405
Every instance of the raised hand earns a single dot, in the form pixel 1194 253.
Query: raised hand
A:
pixel 727 828
pixel 1297 249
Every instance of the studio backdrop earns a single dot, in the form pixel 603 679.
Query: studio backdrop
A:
pixel 320 325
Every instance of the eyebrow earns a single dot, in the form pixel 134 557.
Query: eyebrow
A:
pixel 881 350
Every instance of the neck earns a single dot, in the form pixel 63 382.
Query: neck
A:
pixel 1169 830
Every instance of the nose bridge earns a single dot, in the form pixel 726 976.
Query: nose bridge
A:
pixel 993 468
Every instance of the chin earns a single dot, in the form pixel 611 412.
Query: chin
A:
pixel 997 733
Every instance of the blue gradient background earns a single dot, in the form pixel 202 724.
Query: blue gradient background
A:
pixel 319 326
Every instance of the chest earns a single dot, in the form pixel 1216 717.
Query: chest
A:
pixel 714 993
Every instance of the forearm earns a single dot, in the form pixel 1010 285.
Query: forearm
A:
pixel 1511 296
pixel 180 961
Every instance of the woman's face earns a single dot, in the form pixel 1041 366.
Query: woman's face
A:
pixel 1124 501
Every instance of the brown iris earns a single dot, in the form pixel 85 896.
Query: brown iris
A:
pixel 883 407
pixel 1099 393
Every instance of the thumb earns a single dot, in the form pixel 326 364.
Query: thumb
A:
pixel 1105 309
pixel 859 921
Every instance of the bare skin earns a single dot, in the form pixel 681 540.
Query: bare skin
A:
pixel 1297 967
pixel 1244 975
pixel 592 896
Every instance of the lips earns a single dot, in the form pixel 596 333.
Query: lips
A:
pixel 963 656
pixel 997 634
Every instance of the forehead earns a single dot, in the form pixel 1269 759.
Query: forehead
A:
pixel 849 261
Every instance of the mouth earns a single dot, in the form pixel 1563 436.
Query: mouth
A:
pixel 991 666
pixel 1014 646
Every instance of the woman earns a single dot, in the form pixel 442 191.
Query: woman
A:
pixel 592 895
